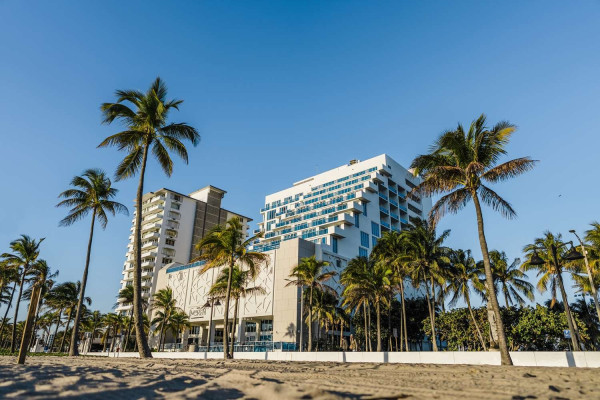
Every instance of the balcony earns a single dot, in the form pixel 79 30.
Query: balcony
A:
pixel 394 216
pixel 151 235
pixel 402 208
pixel 384 210
pixel 394 203
pixel 150 245
pixel 355 206
pixel 148 254
pixel 338 231
pixel 147 273
pixel 147 283
pixel 362 196
pixel 148 227
pixel 383 196
pixel 385 224
pixel 404 221
pixel 148 264
pixel 174 216
pixel 391 189
pixel 371 187
pixel 152 218
pixel 376 177
pixel 153 209
pixel 156 199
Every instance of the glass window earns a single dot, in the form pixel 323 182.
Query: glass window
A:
pixel 364 239
pixel 266 325
pixel 356 220
pixel 374 239
pixel 375 228
pixel 334 244
pixel 365 209
pixel 362 252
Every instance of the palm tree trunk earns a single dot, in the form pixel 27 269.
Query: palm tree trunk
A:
pixel 107 334
pixel 475 321
pixel 13 343
pixel 341 334
pixel 572 326
pixel 369 320
pixel 431 318
pixel 56 329
pixel 226 354
pixel 404 316
pixel 378 311
pixel 35 320
pixel 390 343
pixel 27 330
pixel 8 306
pixel 140 334
pixel 62 343
pixel 506 297
pixel 366 326
pixel 74 351
pixel 235 312
pixel 492 299
pixel 128 330
pixel 310 319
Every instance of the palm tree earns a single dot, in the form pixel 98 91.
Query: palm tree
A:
pixel 426 257
pixel 309 273
pixel 391 249
pixel 458 164
pixel 592 236
pixel 25 252
pixel 90 192
pixel 113 322
pixel 371 282
pixel 225 246
pixel 166 305
pixel 64 297
pixel 42 278
pixel 325 303
pixel 126 294
pixel 179 322
pixel 550 273
pixel 464 271
pixel 145 116
pixel 8 274
pixel 93 323
pixel 510 279
pixel 239 283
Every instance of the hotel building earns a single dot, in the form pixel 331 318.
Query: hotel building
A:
pixel 336 216
pixel 172 223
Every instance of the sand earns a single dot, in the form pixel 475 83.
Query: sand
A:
pixel 95 378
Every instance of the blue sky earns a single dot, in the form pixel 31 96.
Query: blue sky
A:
pixel 282 90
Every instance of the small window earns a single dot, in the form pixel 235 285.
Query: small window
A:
pixel 334 244
pixel 375 228
pixel 357 220
pixel 170 242
pixel 362 252
pixel 365 209
pixel 364 239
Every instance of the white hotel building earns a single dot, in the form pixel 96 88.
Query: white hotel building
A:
pixel 336 216
pixel 172 223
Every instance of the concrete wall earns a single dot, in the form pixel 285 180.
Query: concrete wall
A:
pixel 589 359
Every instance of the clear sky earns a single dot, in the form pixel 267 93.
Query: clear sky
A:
pixel 282 90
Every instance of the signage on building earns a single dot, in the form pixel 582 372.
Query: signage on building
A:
pixel 197 312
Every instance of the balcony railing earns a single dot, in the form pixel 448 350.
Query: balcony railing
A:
pixel 384 210
pixel 383 196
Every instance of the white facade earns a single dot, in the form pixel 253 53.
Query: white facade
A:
pixel 171 225
pixel 345 209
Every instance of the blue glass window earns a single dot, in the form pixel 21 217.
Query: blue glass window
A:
pixel 375 228
pixel 356 220
pixel 374 239
pixel 334 244
pixel 364 239
pixel 362 252
pixel 271 214
pixel 365 209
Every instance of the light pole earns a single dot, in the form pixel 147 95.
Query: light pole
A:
pixel 589 273
pixel 572 255
pixel 211 302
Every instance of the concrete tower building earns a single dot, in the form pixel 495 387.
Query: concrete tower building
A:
pixel 172 223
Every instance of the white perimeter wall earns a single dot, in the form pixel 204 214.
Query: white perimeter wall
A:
pixel 589 359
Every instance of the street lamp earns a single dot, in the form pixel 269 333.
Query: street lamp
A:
pixel 589 273
pixel 210 302
pixel 571 255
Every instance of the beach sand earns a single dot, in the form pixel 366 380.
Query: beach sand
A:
pixel 101 378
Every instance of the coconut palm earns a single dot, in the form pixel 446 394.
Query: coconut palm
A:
pixel 145 116
pixel 325 303
pixel 224 246
pixel 391 249
pixel 165 305
pixel 464 271
pixel 25 252
pixel 550 273
pixel 239 288
pixel 309 273
pixel 592 237
pixel 126 295
pixel 8 274
pixel 40 278
pixel 354 275
pixel 64 297
pixel 373 283
pixel 457 166
pixel 89 193
pixel 426 260
pixel 510 279
pixel 93 323
pixel 179 322
pixel 112 322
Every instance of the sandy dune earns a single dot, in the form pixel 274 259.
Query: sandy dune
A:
pixel 92 378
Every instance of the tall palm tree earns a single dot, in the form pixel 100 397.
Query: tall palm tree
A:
pixel 43 279
pixel 25 252
pixel 353 276
pixel 375 284
pixel 391 249
pixel 464 272
pixel 112 322
pixel 309 273
pixel 90 192
pixel 457 165
pixel 179 322
pixel 592 236
pixel 65 298
pixel 165 304
pixel 93 323
pixel 145 116
pixel 126 294
pixel 325 303
pixel 40 272
pixel 239 289
pixel 511 279
pixel 550 274
pixel 226 246
pixel 426 259
pixel 8 274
